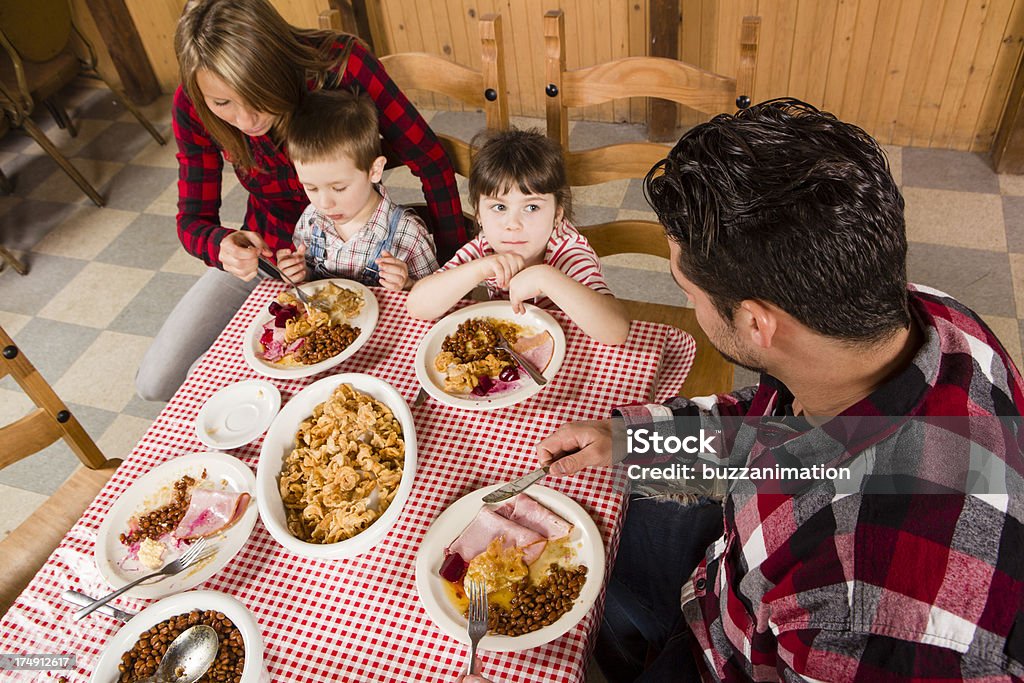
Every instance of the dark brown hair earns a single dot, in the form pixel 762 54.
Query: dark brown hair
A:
pixel 525 159
pixel 787 204
pixel 333 123
pixel 267 61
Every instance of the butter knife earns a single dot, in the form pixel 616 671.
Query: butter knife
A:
pixel 81 599
pixel 516 487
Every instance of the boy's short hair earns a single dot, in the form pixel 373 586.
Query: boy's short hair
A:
pixel 525 159
pixel 787 204
pixel 329 123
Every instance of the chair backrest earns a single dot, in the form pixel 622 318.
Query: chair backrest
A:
pixel 483 89
pixel 51 420
pixel 668 79
pixel 38 30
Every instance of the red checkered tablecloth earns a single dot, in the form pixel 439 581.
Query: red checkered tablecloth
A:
pixel 361 619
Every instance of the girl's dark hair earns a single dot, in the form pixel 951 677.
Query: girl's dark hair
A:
pixel 784 203
pixel 524 159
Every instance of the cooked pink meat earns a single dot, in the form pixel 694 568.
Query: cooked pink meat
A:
pixel 210 511
pixel 527 512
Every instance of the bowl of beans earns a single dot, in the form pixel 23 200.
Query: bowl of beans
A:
pixel 136 650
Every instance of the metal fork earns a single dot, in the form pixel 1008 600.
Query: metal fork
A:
pixel 478 611
pixel 540 379
pixel 192 555
pixel 302 296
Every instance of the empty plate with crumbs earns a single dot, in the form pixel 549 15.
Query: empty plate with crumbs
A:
pixel 237 414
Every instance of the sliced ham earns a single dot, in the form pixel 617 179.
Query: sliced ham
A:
pixel 488 525
pixel 210 511
pixel 536 350
pixel 527 512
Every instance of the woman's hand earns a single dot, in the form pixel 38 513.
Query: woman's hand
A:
pixel 240 251
pixel 293 263
pixel 394 273
pixel 501 267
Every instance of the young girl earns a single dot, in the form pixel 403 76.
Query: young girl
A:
pixel 527 248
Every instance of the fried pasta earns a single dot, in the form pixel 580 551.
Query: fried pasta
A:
pixel 345 469
pixel 471 352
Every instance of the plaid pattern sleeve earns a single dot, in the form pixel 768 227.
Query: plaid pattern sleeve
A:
pixel 199 179
pixel 409 136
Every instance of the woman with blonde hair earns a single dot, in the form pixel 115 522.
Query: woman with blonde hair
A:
pixel 244 70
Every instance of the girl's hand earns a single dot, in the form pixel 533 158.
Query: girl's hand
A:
pixel 293 263
pixel 240 251
pixel 394 273
pixel 528 284
pixel 501 267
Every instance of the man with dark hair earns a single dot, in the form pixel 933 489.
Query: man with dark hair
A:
pixel 787 235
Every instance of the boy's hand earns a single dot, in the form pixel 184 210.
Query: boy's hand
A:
pixel 501 267
pixel 528 284
pixel 293 263
pixel 240 251
pixel 394 273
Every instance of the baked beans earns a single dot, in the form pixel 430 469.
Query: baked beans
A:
pixel 326 342
pixel 535 606
pixel 166 518
pixel 144 657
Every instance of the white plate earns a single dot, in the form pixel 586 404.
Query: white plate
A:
pixel 433 381
pixel 280 441
pixel 122 641
pixel 144 494
pixel 366 321
pixel 237 414
pixel 585 538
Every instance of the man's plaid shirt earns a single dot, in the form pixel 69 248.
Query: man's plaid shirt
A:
pixel 276 198
pixel 328 255
pixel 869 587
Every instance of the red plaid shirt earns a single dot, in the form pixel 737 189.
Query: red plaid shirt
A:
pixel 276 198
pixel 870 587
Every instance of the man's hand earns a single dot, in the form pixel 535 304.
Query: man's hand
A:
pixel 240 251
pixel 394 273
pixel 293 263
pixel 575 446
pixel 501 267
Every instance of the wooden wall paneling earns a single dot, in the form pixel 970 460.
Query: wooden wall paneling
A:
pixel 304 13
pixel 922 46
pixel 982 65
pixel 638 33
pixel 812 48
pixel 689 34
pixel 840 56
pixel 1002 78
pixel 603 49
pixel 777 49
pixel 582 15
pixel 520 60
pixel 433 36
pixel 537 100
pixel 376 17
pixel 619 47
pixel 938 71
pixel 864 112
pixel 960 71
pixel 856 74
pixel 894 78
pixel 1008 146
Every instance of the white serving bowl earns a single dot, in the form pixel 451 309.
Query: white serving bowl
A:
pixel 254 671
pixel 280 441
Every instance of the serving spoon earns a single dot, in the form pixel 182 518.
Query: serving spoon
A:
pixel 189 656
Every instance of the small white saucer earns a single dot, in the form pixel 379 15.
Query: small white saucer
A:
pixel 237 414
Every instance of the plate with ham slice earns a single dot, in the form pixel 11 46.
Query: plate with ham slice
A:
pixel 539 339
pixel 214 499
pixel 541 527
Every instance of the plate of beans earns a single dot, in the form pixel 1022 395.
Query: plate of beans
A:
pixel 558 592
pixel 135 651
pixel 142 526
pixel 304 342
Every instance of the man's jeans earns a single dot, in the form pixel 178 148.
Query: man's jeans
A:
pixel 643 636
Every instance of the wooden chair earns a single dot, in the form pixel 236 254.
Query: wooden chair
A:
pixel 483 89
pixel 45 51
pixel 642 77
pixel 27 548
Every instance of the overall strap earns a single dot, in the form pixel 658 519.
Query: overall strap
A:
pixel 372 274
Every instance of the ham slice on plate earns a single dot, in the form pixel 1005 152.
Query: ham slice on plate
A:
pixel 527 512
pixel 537 350
pixel 488 525
pixel 210 511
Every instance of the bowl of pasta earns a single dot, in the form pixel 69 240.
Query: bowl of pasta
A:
pixel 337 466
